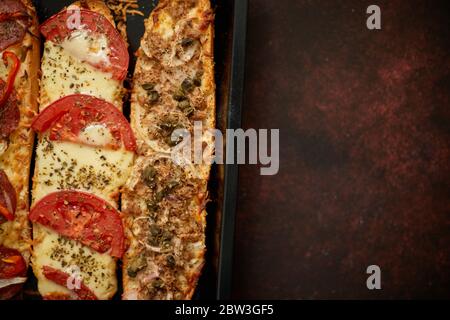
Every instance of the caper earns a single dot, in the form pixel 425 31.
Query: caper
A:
pixel 152 206
pixel 153 96
pixel 183 105
pixel 167 126
pixel 189 111
pixel 160 195
pixel 158 283
pixel 132 272
pixel 136 265
pixel 173 142
pixel 148 86
pixel 170 142
pixel 186 42
pixel 186 107
pixel 197 82
pixel 198 78
pixel 170 260
pixel 153 241
pixel 148 175
pixel 187 85
pixel 154 235
pixel 166 237
pixel 155 230
pixel 177 97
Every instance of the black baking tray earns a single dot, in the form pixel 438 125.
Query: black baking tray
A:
pixel 229 44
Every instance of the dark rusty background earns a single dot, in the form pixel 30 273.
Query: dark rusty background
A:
pixel 364 138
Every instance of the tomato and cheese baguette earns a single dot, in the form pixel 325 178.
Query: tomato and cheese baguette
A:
pixel 84 155
pixel 19 67
pixel 164 202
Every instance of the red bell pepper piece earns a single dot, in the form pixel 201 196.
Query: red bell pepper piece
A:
pixel 13 70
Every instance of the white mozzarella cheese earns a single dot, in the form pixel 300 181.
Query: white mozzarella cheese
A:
pixel 87 48
pixel 96 270
pixel 165 26
pixel 64 74
pixel 65 165
pixel 96 134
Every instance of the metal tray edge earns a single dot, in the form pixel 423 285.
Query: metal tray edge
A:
pixel 225 273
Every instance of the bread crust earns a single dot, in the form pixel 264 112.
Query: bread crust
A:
pixel 149 149
pixel 97 6
pixel 16 160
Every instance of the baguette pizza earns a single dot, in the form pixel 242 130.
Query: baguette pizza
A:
pixel 19 67
pixel 84 155
pixel 163 202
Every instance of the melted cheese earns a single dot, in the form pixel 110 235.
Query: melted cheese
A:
pixel 96 134
pixel 3 71
pixel 65 74
pixel 87 48
pixel 165 26
pixel 65 165
pixel 97 270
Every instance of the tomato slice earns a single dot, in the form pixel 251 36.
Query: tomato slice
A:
pixel 69 116
pixel 82 217
pixel 61 277
pixel 12 265
pixel 60 26
pixel 8 198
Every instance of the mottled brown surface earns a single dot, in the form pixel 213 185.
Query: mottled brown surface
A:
pixel 365 156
